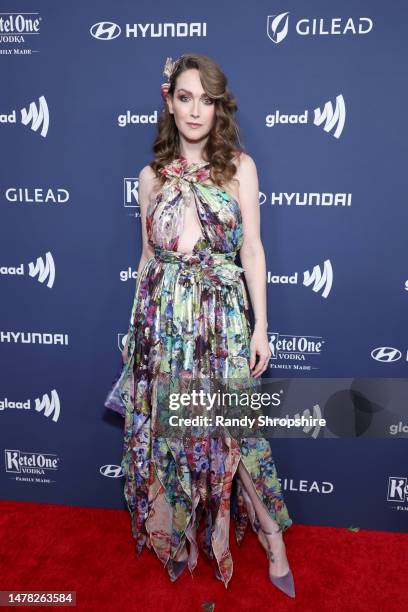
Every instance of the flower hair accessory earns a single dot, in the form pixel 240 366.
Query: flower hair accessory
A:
pixel 167 71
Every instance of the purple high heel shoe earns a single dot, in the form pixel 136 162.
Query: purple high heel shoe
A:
pixel 286 582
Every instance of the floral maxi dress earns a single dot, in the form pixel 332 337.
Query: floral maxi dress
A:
pixel 190 318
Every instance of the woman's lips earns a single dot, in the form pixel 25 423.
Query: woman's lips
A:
pixel 194 125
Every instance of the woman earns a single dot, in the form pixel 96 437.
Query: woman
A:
pixel 199 204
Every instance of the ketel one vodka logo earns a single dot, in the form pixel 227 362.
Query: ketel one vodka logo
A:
pixel 43 269
pixel 277 26
pixel 21 462
pixel 294 348
pixel 49 405
pixel 397 489
pixel 330 118
pixel 131 193
pixel 36 117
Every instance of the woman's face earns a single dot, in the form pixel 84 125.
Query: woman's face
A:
pixel 193 110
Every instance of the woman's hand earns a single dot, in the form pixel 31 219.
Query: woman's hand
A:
pixel 125 351
pixel 259 345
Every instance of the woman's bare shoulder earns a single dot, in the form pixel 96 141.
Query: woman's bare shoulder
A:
pixel 147 174
pixel 243 162
pixel 148 182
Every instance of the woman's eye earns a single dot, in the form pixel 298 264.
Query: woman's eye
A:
pixel 183 98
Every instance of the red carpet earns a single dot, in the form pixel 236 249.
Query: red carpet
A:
pixel 90 551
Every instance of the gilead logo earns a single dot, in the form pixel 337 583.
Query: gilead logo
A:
pixel 36 195
pixel 277 26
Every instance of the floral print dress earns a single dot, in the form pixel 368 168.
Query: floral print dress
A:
pixel 190 319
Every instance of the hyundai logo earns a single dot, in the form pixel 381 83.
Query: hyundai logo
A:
pixel 386 354
pixel 105 30
pixel 111 471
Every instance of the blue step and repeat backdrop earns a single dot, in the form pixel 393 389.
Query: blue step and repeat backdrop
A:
pixel 321 90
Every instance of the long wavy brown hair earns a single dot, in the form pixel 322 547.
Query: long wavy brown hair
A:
pixel 223 143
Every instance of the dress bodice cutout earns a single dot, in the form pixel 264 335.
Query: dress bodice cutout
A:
pixel 186 206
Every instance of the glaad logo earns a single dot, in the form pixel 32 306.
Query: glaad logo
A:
pixel 320 280
pixel 386 354
pixel 30 467
pixel 277 26
pixel 309 429
pixel 126 275
pixel 333 119
pixel 43 269
pixel 107 30
pixel 131 193
pixel 307 199
pixel 398 428
pixel 111 471
pixel 37 117
pixel 397 489
pixel 49 405
pixel 129 118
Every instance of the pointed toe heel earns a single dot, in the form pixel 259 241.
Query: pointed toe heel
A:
pixel 284 583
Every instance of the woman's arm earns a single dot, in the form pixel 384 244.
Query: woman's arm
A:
pixel 146 180
pixel 145 190
pixel 252 256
